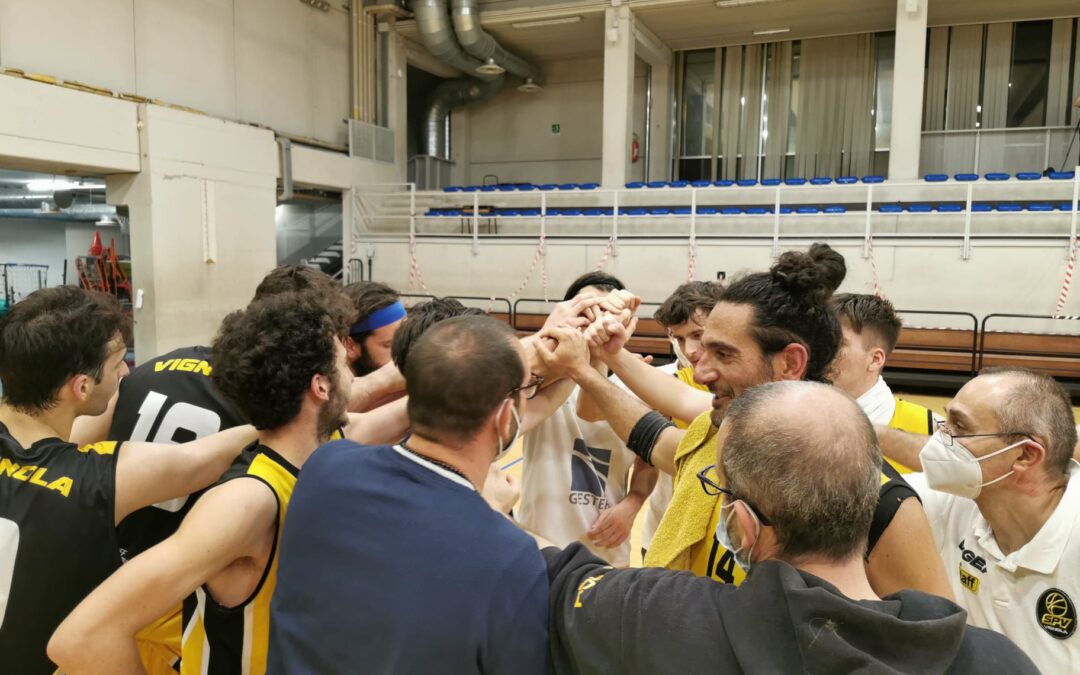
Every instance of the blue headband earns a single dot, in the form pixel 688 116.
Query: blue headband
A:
pixel 379 318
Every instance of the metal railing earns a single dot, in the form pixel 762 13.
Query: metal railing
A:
pixel 1039 317
pixel 964 315
pixel 1008 150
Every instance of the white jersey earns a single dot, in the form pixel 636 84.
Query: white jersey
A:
pixel 1029 595
pixel 573 470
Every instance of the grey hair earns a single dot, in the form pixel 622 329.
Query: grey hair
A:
pixel 1037 405
pixel 818 486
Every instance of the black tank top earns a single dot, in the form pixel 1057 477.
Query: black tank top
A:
pixel 57 540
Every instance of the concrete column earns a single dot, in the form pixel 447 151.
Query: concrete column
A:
pixel 202 224
pixel 660 137
pixel 908 77
pixel 397 93
pixel 618 95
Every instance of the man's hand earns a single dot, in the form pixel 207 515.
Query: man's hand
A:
pixel 609 335
pixel 501 490
pixel 570 353
pixel 612 528
pixel 577 312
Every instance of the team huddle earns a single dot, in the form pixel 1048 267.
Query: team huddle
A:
pixel 318 490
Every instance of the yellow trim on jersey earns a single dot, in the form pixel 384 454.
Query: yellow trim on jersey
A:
pixel 159 643
pixel 256 612
pixel 686 376
pixel 913 418
pixel 100 448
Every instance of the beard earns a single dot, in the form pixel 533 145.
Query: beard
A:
pixel 333 415
pixel 363 365
pixel 723 394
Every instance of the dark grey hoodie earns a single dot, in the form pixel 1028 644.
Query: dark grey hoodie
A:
pixel 780 620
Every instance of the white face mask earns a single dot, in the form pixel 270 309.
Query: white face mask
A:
pixel 724 537
pixel 954 469
pixel 679 356
pixel 504 448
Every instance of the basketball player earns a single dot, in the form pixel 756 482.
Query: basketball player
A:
pixel 62 355
pixel 379 312
pixel 282 362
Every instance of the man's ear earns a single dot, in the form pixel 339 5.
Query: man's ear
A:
pixel 78 387
pixel 320 387
pixel 790 362
pixel 877 359
pixel 1034 456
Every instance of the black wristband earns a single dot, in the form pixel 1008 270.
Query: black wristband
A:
pixel 645 433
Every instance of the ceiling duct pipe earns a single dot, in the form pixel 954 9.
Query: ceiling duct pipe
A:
pixel 492 56
pixel 77 212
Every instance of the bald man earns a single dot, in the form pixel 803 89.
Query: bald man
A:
pixel 807 604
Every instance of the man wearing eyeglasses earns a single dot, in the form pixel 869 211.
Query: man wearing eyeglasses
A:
pixel 807 605
pixel 1003 497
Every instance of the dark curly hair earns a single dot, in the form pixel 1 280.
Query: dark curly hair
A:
pixel 264 356
pixel 687 300
pixel 600 280
pixel 421 318
pixel 790 304
pixel 50 337
pixel 869 313
pixel 300 279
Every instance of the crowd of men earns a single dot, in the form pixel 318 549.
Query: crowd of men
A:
pixel 318 490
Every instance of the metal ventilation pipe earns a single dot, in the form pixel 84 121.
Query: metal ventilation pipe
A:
pixel 447 96
pixel 479 43
pixel 433 23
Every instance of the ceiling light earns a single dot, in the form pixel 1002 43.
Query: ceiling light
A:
pixel 546 22
pixel 743 3
pixel 107 221
pixel 529 86
pixel 49 185
pixel 772 31
pixel 490 68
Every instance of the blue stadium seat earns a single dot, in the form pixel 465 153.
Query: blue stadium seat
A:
pixel 795 181
pixel 847 180
pixel 873 179
pixel 594 212
pixel 660 211
pixel 432 213
pixel 724 183
pixel 571 212
pixel 808 210
pixel 701 183
pixel 747 182
pixel 547 187
pixel 682 211
pixel 821 180
pixel 785 210
pixel 731 211
pixel 1062 175
pixel 452 188
pixel 637 211
pixel 1009 207
pixel 997 177
pixel 532 213
pixel 507 188
pixel 554 211
pixel 526 187
pixel 950 208
pixel 655 184
pixel 679 183
pixel 454 213
pixel 589 186
pixel 921 208
pixel 1064 206
pixel 891 208
pixel 936 177
pixel 635 185
pixel 836 209
pixel 568 186
pixel 757 211
pixel 966 177
pixel 1028 175
pixel 770 182
pixel 1040 208
pixel 489 188
pixel 707 210
pixel 470 188
pixel 981 207
pixel 508 212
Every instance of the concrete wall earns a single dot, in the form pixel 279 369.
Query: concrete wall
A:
pixel 278 63
pixel 510 136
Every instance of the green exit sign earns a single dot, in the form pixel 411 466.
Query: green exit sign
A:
pixel 556 129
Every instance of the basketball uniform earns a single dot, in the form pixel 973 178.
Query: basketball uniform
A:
pixel 913 418
pixel 57 540
pixel 231 640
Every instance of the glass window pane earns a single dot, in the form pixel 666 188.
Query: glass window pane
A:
pixel 793 123
pixel 886 54
pixel 695 169
pixel 699 99
pixel 1029 79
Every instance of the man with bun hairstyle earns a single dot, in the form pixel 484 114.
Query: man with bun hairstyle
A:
pixel 768 326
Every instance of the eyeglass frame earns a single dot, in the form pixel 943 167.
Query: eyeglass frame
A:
pixel 533 384
pixel 949 439
pixel 708 483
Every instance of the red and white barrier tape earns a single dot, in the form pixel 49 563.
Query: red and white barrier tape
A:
pixel 873 266
pixel 540 256
pixel 607 253
pixel 1067 282
pixel 415 277
pixel 691 262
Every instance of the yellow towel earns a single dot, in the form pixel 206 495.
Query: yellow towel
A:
pixel 686 521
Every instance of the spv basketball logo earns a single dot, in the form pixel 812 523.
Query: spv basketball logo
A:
pixel 1056 614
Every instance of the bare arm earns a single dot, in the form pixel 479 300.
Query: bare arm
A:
pixel 906 556
pixel 901 446
pixel 148 473
pixel 93 429
pixel 664 393
pixel 613 525
pixel 230 522
pixel 545 403
pixel 385 424
pixel 374 389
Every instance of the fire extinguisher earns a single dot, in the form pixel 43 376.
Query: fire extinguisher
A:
pixel 634 148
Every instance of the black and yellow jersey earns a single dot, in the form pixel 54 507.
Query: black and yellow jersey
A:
pixel 230 640
pixel 913 418
pixel 169 399
pixel 57 540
